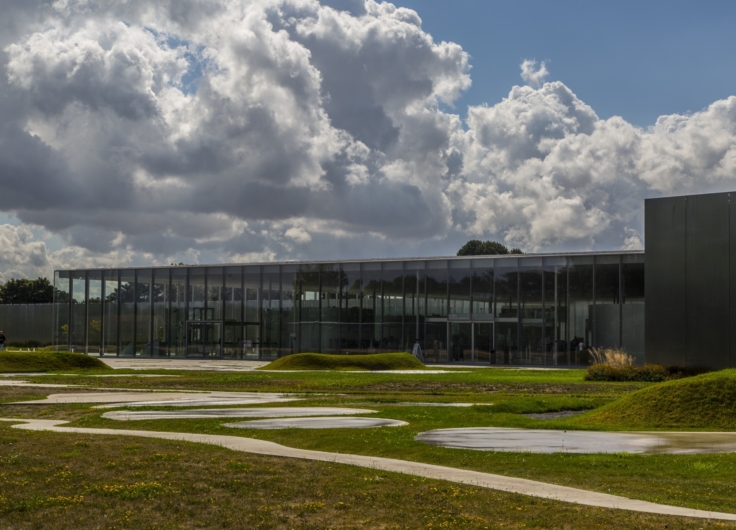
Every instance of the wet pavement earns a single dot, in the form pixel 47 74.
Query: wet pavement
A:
pixel 317 423
pixel 554 441
pixel 262 412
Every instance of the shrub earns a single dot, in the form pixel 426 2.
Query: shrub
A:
pixel 611 357
pixel 653 373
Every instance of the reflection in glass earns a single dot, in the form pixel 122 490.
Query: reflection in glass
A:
pixel 482 287
pixel 461 341
pixel 555 310
pixel 350 293
pixel 330 282
pixel 160 292
pixel 459 286
pixel 413 304
pixel 435 349
pixel 483 342
pixel 371 310
pixel 271 307
pixel 94 312
pixel 178 296
pixel 126 295
pixel 507 351
pixel 288 315
pixel 110 343
pixel 61 309
pixel 506 288
pixel 214 292
pixel 309 282
pixel 436 278
pixel 252 285
pixel 79 311
pixel 196 297
pixel 607 311
pixel 143 313
pixel 632 309
pixel 580 302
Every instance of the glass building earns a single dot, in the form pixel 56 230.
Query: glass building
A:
pixel 513 309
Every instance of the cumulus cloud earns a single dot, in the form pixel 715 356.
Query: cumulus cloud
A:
pixel 533 75
pixel 200 131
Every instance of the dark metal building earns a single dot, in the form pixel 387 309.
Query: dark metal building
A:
pixel 691 280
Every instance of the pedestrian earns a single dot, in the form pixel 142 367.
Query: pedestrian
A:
pixel 417 351
pixel 2 341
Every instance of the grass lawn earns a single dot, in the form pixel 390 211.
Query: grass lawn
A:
pixel 697 481
pixel 318 361
pixel 61 481
pixel 46 361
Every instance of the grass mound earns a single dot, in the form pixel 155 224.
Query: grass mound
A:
pixel 705 401
pixel 320 361
pixel 48 362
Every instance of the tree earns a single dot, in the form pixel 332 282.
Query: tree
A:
pixel 475 247
pixel 23 291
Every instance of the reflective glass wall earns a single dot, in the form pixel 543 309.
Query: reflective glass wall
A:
pixel 520 310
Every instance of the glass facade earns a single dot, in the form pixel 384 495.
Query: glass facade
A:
pixel 506 310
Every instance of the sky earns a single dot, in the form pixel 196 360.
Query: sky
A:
pixel 146 132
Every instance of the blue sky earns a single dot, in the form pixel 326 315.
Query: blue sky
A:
pixel 638 60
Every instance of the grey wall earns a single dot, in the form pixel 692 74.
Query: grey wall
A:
pixel 689 296
pixel 25 322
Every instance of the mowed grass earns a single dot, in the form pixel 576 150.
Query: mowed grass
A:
pixel 320 361
pixel 696 481
pixel 60 481
pixel 704 402
pixel 45 361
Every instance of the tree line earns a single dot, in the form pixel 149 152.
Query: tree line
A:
pixel 24 291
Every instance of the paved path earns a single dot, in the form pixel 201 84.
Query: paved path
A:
pixel 261 412
pixel 141 398
pixel 474 478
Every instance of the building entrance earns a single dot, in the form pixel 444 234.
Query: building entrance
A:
pixel 204 339
pixel 470 341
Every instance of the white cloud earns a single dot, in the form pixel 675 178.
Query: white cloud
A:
pixel 531 74
pixel 205 131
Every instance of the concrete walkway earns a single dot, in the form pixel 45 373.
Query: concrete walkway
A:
pixel 473 478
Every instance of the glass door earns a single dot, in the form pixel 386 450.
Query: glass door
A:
pixel 203 339
pixel 483 342
pixel 461 341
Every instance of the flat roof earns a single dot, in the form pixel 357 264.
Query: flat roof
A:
pixel 370 260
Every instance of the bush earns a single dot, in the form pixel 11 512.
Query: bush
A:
pixel 612 357
pixel 605 372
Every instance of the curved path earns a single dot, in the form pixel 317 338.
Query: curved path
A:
pixel 462 476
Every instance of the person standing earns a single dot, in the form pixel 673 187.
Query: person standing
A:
pixel 2 341
pixel 417 351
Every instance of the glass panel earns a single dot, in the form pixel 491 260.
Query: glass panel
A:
pixel 289 294
pixel 350 295
pixel 94 312
pixel 414 306
pixel 581 301
pixel 506 290
pixel 233 344
pixel 309 337
pixel 309 282
pixel 482 287
pixel 330 338
pixel 233 294
pixel 507 351
pixel 112 291
pixel 196 296
pixel 178 292
pixel 330 277
pixel 61 310
pixel 79 311
pixel 143 313
pixel 161 293
pixel 461 341
pixel 436 289
pixel 483 341
pixel 459 287
pixel 370 338
pixel 532 343
pixel 555 310
pixel 214 292
pixel 393 306
pixel 530 288
pixel 607 329
pixel 435 343
pixel 252 280
pixel 371 310
pixel 632 339
pixel 350 338
pixel 251 341
pixel 270 311
pixel 127 313
pixel 204 339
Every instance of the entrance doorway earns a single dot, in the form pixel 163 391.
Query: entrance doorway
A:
pixel 204 339
pixel 471 341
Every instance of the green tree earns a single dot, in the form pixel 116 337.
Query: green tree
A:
pixel 476 247
pixel 23 291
